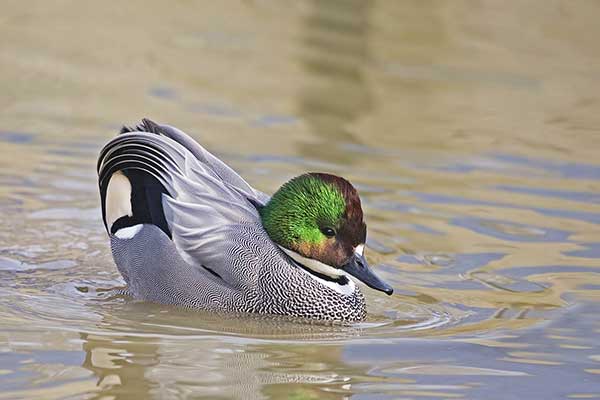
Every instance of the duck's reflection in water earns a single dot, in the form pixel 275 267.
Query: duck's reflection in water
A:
pixel 181 355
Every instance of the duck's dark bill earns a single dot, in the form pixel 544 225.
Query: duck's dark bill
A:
pixel 358 268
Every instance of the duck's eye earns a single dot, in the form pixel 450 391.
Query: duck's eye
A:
pixel 329 232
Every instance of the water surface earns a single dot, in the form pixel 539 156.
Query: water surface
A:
pixel 471 130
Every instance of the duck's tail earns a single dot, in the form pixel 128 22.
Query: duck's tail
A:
pixel 130 170
pixel 156 174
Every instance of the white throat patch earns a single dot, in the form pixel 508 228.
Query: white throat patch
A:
pixel 317 266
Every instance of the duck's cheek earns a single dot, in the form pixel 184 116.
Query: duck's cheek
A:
pixel 332 254
pixel 308 250
pixel 319 251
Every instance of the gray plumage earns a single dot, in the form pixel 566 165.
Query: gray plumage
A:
pixel 218 256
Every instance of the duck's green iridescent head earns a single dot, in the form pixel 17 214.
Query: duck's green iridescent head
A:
pixel 317 219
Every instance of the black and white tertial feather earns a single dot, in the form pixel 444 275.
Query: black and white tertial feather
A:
pixel 185 230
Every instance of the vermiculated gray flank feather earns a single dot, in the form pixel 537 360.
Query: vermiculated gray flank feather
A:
pixel 219 256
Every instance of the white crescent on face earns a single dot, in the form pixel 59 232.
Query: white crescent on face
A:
pixel 359 250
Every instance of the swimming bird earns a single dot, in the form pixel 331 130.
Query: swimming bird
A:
pixel 187 230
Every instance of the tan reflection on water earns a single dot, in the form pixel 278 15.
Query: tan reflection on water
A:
pixel 470 128
pixel 335 59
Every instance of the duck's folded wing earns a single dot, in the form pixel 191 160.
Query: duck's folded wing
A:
pixel 202 201
pixel 222 170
